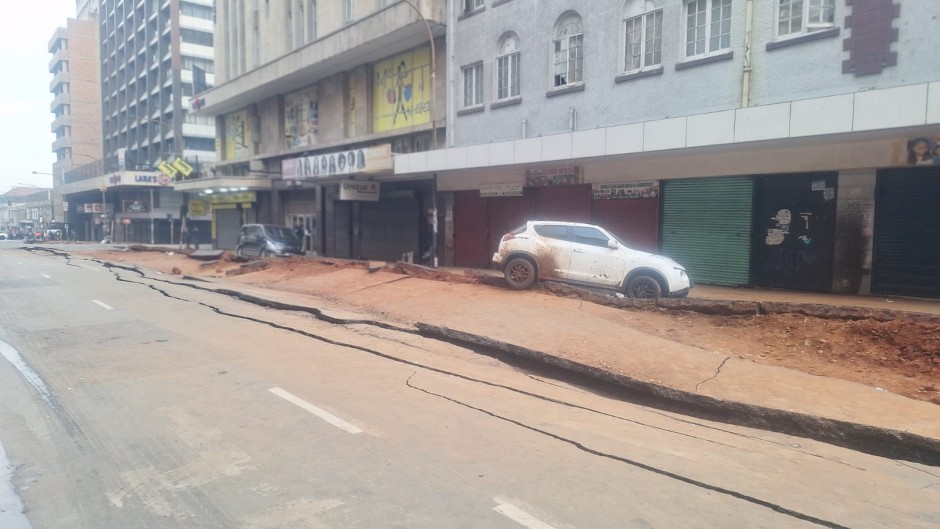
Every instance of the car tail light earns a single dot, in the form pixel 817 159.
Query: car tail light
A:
pixel 508 237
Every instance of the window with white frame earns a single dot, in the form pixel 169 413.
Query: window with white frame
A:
pixel 643 34
pixel 707 26
pixel 472 5
pixel 507 68
pixel 568 51
pixel 473 85
pixel 798 17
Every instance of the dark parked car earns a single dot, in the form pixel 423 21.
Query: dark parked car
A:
pixel 265 240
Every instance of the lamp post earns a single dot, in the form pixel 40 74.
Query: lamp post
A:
pixel 433 70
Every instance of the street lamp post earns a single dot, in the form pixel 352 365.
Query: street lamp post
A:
pixel 433 70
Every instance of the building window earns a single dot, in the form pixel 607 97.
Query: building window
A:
pixel 507 68
pixel 472 5
pixel 707 26
pixel 312 21
pixel 643 35
pixel 798 17
pixel 349 10
pixel 473 85
pixel 568 51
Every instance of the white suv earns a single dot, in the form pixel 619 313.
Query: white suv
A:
pixel 584 254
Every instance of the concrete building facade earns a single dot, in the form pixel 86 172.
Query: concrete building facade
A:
pixel 153 55
pixel 76 103
pixel 788 144
pixel 312 99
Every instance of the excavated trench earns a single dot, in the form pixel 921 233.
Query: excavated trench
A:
pixel 882 442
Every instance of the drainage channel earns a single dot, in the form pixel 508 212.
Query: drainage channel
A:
pixel 881 442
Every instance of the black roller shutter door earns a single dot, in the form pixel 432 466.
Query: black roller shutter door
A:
pixel 906 259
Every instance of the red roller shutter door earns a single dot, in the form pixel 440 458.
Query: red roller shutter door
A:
pixel 470 227
pixel 563 203
pixel 507 214
pixel 635 221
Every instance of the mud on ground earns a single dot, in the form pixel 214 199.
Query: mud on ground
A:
pixel 900 355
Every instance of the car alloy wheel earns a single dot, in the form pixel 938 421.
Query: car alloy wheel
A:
pixel 519 273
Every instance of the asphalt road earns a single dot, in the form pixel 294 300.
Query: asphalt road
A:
pixel 128 402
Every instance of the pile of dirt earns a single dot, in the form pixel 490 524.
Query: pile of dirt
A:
pixel 901 355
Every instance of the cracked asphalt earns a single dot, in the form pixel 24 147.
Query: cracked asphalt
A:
pixel 166 417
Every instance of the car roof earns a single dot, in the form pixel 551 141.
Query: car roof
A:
pixel 562 223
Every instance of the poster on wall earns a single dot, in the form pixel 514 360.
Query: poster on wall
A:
pixel 302 117
pixel 625 190
pixel 513 189
pixel 366 160
pixel 237 135
pixel 923 150
pixel 402 91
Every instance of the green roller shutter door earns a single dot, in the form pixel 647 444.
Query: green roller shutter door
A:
pixel 707 228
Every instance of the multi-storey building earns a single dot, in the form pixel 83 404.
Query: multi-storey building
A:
pixel 785 144
pixel 153 54
pixel 76 103
pixel 312 99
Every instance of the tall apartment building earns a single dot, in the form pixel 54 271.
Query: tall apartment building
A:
pixel 786 144
pixel 153 55
pixel 76 104
pixel 312 99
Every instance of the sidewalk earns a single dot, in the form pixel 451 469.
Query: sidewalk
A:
pixel 558 331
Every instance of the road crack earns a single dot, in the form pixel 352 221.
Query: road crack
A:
pixel 713 377
pixel 662 472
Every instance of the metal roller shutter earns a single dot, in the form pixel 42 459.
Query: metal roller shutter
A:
pixel 635 221
pixel 564 203
pixel 707 228
pixel 389 228
pixel 470 226
pixel 228 222
pixel 906 257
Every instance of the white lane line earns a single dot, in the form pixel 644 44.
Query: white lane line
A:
pixel 520 517
pixel 11 506
pixel 31 376
pixel 46 276
pixel 323 414
pixel 102 304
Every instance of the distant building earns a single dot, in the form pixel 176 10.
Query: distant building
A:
pixel 311 100
pixel 151 55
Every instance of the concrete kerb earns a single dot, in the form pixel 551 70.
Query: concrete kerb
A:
pixel 873 440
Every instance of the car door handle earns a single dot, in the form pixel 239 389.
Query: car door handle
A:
pixel 578 250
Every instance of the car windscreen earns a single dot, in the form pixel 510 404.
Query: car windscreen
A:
pixel 281 234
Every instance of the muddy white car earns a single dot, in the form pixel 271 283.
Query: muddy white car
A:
pixel 584 254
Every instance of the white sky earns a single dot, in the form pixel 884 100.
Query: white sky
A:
pixel 25 119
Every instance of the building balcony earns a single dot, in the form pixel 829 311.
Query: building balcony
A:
pixel 61 99
pixel 199 24
pixel 61 121
pixel 58 79
pixel 197 130
pixel 383 34
pixel 60 34
pixel 62 143
pixel 57 57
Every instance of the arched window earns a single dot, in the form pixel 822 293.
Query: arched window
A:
pixel 568 50
pixel 643 34
pixel 507 67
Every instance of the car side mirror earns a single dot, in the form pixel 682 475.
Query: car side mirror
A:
pixel 612 244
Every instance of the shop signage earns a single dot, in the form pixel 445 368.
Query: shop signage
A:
pixel 246 197
pixel 626 190
pixel 513 189
pixel 135 206
pixel 125 221
pixel 365 160
pixel 359 190
pixel 402 91
pixel 198 208
pixel 141 179
pixel 553 176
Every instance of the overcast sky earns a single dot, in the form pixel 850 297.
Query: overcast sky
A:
pixel 25 135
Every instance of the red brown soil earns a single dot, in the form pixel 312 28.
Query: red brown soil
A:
pixel 901 356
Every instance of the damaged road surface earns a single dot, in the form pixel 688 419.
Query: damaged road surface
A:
pixel 168 406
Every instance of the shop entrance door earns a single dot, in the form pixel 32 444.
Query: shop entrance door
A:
pixel 309 223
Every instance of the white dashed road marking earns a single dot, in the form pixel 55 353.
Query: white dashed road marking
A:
pixel 323 414
pixel 520 517
pixel 102 304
